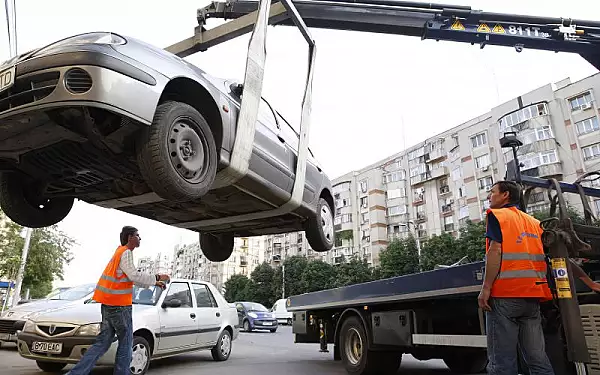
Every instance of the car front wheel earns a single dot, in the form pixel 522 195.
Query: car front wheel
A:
pixel 22 201
pixel 177 154
pixel 319 229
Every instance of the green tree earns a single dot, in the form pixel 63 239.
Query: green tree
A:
pixel 401 257
pixel 235 288
pixel 576 216
pixel 471 241
pixel 261 287
pixel 49 252
pixel 439 249
pixel 317 275
pixel 294 268
pixel 353 272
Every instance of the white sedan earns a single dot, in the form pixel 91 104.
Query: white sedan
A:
pixel 187 316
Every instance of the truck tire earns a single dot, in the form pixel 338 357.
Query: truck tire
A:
pixel 356 357
pixel 319 229
pixel 50 366
pixel 22 203
pixel 216 247
pixel 177 154
pixel 468 363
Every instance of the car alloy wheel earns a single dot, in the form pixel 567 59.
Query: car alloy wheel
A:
pixel 326 223
pixel 139 359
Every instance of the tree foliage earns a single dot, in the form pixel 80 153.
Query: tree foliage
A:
pixel 401 257
pixel 49 252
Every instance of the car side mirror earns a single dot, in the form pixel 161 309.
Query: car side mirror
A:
pixel 171 303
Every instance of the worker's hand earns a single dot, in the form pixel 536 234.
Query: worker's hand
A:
pixel 161 285
pixel 483 299
pixel 163 277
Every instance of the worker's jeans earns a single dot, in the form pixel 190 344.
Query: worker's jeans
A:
pixel 512 321
pixel 115 320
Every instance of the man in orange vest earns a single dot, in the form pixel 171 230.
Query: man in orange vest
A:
pixel 514 285
pixel 115 292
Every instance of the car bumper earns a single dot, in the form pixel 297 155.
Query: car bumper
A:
pixel 111 83
pixel 73 348
pixel 264 323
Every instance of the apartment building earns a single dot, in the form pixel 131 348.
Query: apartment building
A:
pixel 160 264
pixel 189 262
pixel 281 246
pixel 437 185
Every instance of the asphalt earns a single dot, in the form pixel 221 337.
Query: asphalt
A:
pixel 254 353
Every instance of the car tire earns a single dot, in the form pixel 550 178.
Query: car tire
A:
pixel 177 154
pixel 319 229
pixel 222 350
pixel 273 330
pixel 247 327
pixel 140 359
pixel 19 201
pixel 216 247
pixel 50 366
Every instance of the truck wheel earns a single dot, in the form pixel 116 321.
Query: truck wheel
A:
pixel 357 359
pixel 319 229
pixel 21 201
pixel 177 154
pixel 216 247
pixel 50 366
pixel 468 363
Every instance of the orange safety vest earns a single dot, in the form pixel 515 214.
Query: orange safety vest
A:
pixel 523 269
pixel 114 287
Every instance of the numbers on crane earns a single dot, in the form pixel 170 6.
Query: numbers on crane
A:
pixel 527 31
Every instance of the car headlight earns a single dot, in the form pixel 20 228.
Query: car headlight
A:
pixel 29 326
pixel 253 315
pixel 89 330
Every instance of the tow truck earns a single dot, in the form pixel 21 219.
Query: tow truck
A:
pixel 429 314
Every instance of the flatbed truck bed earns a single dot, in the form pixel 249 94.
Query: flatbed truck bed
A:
pixel 429 315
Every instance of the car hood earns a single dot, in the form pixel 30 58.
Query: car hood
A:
pixel 263 314
pixel 79 314
pixel 24 311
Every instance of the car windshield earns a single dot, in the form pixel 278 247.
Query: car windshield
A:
pixel 74 293
pixel 253 306
pixel 146 296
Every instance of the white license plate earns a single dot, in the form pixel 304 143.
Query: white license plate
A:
pixel 7 78
pixel 47 347
pixel 267 323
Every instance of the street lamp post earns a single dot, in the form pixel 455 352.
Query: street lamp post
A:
pixel 408 224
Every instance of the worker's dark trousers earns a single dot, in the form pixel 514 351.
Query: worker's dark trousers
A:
pixel 512 321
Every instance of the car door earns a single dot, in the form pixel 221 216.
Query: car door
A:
pixel 270 158
pixel 178 320
pixel 241 311
pixel 314 175
pixel 208 315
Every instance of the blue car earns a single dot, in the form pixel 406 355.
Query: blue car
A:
pixel 253 316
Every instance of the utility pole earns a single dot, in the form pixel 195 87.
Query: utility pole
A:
pixel 19 281
pixel 283 281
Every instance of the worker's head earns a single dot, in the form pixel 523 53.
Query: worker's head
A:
pixel 130 237
pixel 503 193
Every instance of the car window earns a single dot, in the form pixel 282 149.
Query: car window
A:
pixel 180 291
pixel 204 297
pixel 266 116
pixel 284 123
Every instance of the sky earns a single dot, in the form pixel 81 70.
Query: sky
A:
pixel 373 94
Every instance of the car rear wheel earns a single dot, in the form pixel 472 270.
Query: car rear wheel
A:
pixel 319 229
pixel 222 350
pixel 50 366
pixel 216 247
pixel 22 201
pixel 177 154
pixel 140 358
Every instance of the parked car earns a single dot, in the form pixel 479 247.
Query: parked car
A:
pixel 253 315
pixel 14 319
pixel 187 316
pixel 119 123
pixel 279 309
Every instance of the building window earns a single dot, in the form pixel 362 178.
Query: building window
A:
pixel 448 223
pixel 543 133
pixel 482 161
pixel 548 157
pixel 462 191
pixel 587 126
pixel 364 218
pixel 364 202
pixel 581 101
pixel 396 210
pixel 479 140
pixel 485 183
pixel 363 186
pixel 345 218
pixel 591 152
pixel 394 176
pixel 522 115
pixel 396 193
pixel 456 173
pixel 485 204
pixel 536 197
pixel 463 212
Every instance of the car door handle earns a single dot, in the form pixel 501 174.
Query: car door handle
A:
pixel 218 313
pixel 193 316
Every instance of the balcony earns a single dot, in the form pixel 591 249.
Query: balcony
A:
pixel 544 171
pixel 421 216
pixel 445 189
pixel 436 155
pixel 447 209
pixel 419 198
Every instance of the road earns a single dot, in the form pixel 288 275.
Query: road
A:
pixel 254 353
